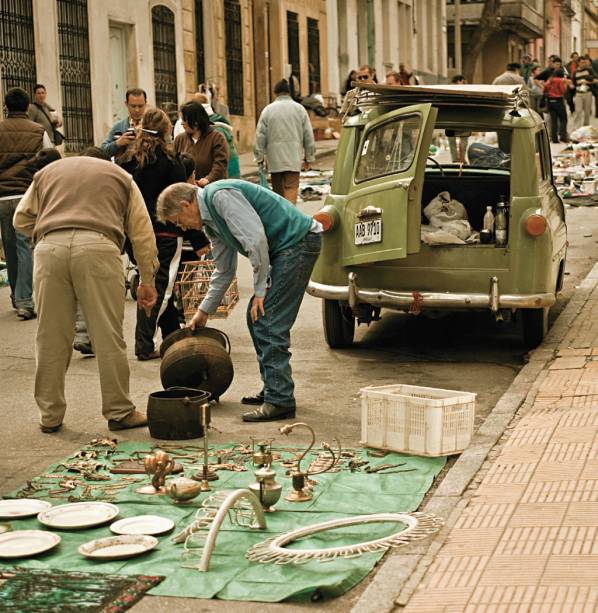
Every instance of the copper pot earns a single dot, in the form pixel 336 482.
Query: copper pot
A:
pixel 198 359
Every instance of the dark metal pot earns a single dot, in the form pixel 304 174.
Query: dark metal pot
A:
pixel 198 359
pixel 175 414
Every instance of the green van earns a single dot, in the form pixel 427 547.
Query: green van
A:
pixel 400 147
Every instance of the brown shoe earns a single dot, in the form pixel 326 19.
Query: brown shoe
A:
pixel 134 419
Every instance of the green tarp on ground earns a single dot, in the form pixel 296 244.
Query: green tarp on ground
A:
pixel 231 576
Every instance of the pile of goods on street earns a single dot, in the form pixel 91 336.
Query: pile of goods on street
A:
pixel 205 520
pixel 575 169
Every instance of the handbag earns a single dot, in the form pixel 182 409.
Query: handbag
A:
pixel 57 136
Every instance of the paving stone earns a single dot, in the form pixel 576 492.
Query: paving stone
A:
pixel 468 542
pixel 514 570
pixel 571 570
pixel 569 352
pixel 510 473
pixel 565 452
pixel 450 600
pixel 558 471
pixel 538 514
pixel 489 493
pixel 581 514
pixel 585 434
pixel 568 362
pixel 562 491
pixel 576 540
pixel 485 515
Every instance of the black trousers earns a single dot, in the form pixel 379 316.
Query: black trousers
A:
pixel 558 119
pixel 164 314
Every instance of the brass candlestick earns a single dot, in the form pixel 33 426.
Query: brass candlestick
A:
pixel 205 474
pixel 158 464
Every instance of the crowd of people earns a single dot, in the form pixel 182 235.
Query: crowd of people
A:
pixel 563 92
pixel 66 222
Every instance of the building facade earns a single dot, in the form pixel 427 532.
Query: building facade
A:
pixel 384 34
pixel 89 52
pixel 522 26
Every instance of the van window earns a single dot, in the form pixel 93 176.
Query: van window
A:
pixel 388 148
pixel 482 149
pixel 542 166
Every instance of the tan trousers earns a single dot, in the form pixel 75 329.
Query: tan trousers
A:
pixel 73 266
pixel 286 184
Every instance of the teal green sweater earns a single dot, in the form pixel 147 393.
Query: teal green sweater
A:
pixel 283 223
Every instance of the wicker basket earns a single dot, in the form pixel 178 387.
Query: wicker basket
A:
pixel 192 286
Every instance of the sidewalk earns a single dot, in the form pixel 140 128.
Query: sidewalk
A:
pixel 249 167
pixel 526 539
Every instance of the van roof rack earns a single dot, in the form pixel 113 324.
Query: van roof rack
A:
pixel 503 97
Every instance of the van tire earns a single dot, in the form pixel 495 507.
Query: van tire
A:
pixel 535 326
pixel 339 324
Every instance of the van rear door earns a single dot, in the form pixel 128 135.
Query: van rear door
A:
pixel 382 215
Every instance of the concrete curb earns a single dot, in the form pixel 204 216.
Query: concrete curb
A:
pixel 404 569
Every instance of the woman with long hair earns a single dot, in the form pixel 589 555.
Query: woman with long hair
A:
pixel 154 166
pixel 202 141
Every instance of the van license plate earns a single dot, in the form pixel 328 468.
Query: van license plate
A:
pixel 367 232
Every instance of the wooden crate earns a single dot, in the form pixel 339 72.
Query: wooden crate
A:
pixel 192 285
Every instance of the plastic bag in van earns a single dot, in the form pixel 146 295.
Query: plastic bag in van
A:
pixel 443 209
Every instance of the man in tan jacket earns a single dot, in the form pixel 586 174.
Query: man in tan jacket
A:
pixel 78 211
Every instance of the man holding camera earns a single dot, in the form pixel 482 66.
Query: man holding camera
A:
pixel 122 133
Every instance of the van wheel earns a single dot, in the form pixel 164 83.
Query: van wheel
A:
pixel 535 326
pixel 339 324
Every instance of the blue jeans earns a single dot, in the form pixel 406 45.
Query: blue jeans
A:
pixel 271 334
pixel 19 256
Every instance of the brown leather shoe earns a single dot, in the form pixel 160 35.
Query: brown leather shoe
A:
pixel 134 419
pixel 49 429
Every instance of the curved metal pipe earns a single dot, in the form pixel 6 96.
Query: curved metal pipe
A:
pixel 227 505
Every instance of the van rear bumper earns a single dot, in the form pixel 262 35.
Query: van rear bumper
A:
pixel 416 301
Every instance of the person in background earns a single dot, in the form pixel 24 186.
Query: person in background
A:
pixel 459 79
pixel 153 165
pixel 21 140
pixel 406 76
pixel 364 74
pixel 554 63
pixel 41 112
pixel 78 230
pixel 571 67
pixel 284 140
pixel 122 133
pixel 282 245
pixel 556 89
pixel 584 81
pixel 392 78
pixel 347 86
pixel 222 125
pixel 526 68
pixel 204 143
pixel 510 76
pixel 458 144
pixel 536 89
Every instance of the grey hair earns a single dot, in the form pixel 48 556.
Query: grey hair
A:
pixel 169 201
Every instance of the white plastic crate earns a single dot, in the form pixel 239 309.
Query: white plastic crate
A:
pixel 417 420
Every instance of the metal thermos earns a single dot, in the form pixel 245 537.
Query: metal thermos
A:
pixel 500 223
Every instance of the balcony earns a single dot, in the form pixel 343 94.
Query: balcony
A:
pixel 524 17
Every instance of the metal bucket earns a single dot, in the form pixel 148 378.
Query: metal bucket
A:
pixel 197 359
pixel 175 413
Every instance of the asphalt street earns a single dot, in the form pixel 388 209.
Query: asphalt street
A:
pixel 464 352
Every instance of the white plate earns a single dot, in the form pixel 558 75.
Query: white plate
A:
pixel 118 547
pixel 78 515
pixel 142 524
pixel 22 507
pixel 24 543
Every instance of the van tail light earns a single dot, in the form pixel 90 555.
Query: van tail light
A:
pixel 328 217
pixel 535 225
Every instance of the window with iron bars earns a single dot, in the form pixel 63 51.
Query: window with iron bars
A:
pixel 164 56
pixel 199 44
pixel 293 43
pixel 234 56
pixel 75 78
pixel 17 45
pixel 313 56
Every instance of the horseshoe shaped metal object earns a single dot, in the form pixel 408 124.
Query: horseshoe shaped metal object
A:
pixel 274 550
